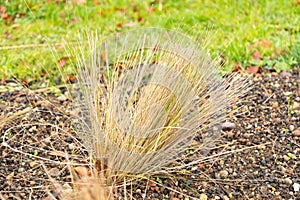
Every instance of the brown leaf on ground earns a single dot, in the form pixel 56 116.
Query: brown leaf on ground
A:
pixel 100 13
pixel 5 16
pixel 252 69
pixel 62 61
pixel 95 2
pixel 265 44
pixel 140 18
pixel 236 67
pixel 150 10
pixel 24 81
pixel 2 10
pixel 72 79
pixel 119 25
pixel 256 55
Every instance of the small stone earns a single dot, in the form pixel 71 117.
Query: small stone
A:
pixel 224 173
pixel 225 197
pixel 247 135
pixel 275 104
pixel 288 181
pixel 33 164
pixel 67 186
pixel 217 197
pixel 32 129
pixel 286 158
pixel 62 98
pixel 277 85
pixel 263 189
pixel 296 105
pixel 293 118
pixel 203 196
pixel 285 74
pixel 32 183
pixel 296 187
pixel 54 172
pixel 296 132
pixel 292 127
pixel 230 134
pixel 227 126
pixel 288 93
pixel 71 146
pixel 138 191
pixel 152 183
pixel 21 169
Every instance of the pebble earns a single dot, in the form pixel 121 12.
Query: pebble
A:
pixel 296 132
pixel 217 197
pixel 139 191
pixel 225 197
pixel 292 127
pixel 203 196
pixel 286 158
pixel 230 134
pixel 32 183
pixel 296 187
pixel 33 164
pixel 227 126
pixel 152 183
pixel 62 98
pixel 247 135
pixel 288 93
pixel 285 74
pixel 224 173
pixel 54 172
pixel 288 181
pixel 21 169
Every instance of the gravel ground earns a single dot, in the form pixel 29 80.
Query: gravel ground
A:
pixel 256 157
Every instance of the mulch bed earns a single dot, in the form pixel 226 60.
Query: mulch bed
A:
pixel 257 157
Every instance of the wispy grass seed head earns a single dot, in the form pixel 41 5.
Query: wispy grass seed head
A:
pixel 144 94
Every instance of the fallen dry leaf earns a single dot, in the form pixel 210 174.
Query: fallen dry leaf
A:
pixel 266 44
pixel 119 25
pixel 72 79
pixel 62 61
pixel 252 69
pixel 256 55
pixel 95 2
pixel 2 10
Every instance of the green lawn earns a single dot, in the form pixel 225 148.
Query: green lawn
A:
pixel 244 33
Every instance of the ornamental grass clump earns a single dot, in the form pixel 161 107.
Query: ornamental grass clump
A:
pixel 143 96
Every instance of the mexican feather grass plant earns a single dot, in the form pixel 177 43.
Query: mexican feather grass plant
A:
pixel 142 97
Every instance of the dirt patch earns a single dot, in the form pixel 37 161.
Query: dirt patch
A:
pixel 257 156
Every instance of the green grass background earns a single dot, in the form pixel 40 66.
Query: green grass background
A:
pixel 235 28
